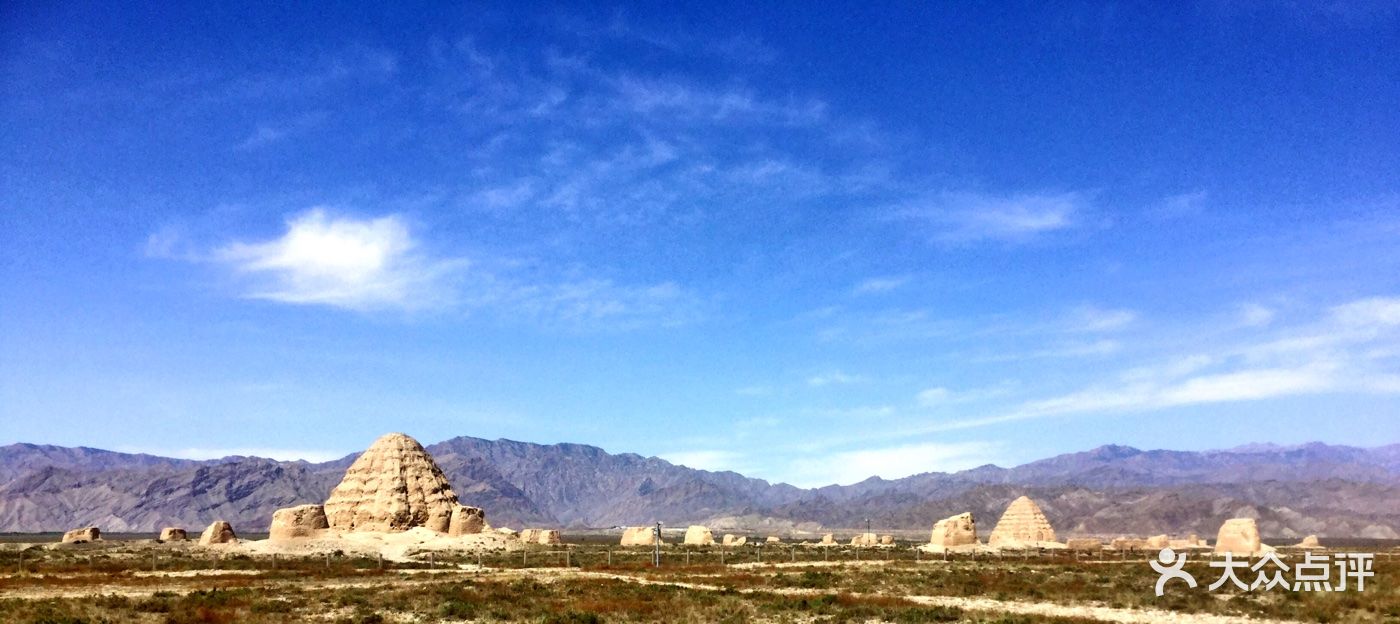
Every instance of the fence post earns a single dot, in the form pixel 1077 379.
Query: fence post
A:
pixel 610 557
pixel 524 557
pixel 721 557
pixel 381 560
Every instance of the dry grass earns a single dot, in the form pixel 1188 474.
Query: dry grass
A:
pixel 113 584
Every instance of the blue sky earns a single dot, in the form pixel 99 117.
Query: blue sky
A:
pixel 808 244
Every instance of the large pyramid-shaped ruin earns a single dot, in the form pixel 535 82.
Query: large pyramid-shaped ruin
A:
pixel 1023 524
pixel 393 486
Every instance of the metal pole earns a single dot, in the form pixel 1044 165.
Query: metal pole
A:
pixel 656 546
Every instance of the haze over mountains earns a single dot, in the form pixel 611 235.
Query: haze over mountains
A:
pixel 1335 491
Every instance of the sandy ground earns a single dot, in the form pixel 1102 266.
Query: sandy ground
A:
pixel 401 547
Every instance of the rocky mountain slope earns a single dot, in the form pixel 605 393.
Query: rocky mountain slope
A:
pixel 1313 488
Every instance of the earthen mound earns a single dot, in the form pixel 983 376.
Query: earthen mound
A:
pixel 466 520
pixel 638 536
pixel 698 535
pixel 959 530
pixel 1239 536
pixel 299 521
pixel 82 536
pixel 219 532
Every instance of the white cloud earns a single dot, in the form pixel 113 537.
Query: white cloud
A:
pixel 893 462
pixel 379 264
pixel 833 378
pixel 933 397
pixel 876 285
pixel 603 303
pixel 343 262
pixel 1350 350
pixel 1255 315
pixel 964 217
pixel 704 459
pixel 1372 312
pixel 1094 320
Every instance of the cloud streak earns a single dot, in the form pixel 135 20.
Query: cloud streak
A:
pixel 1352 349
pixel 960 217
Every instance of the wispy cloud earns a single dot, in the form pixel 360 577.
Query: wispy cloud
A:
pixel 891 462
pixel 600 303
pixel 834 378
pixel 1255 315
pixel 706 459
pixel 876 285
pixel 934 397
pixel 268 133
pixel 1180 205
pixel 301 77
pixel 966 217
pixel 1097 320
pixel 344 262
pixel 1353 348
pixel 381 263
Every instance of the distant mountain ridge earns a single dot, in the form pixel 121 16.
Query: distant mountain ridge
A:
pixel 1295 490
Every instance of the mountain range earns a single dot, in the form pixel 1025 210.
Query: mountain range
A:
pixel 1332 491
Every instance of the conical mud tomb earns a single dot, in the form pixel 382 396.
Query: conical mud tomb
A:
pixel 394 486
pixel 1023 524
